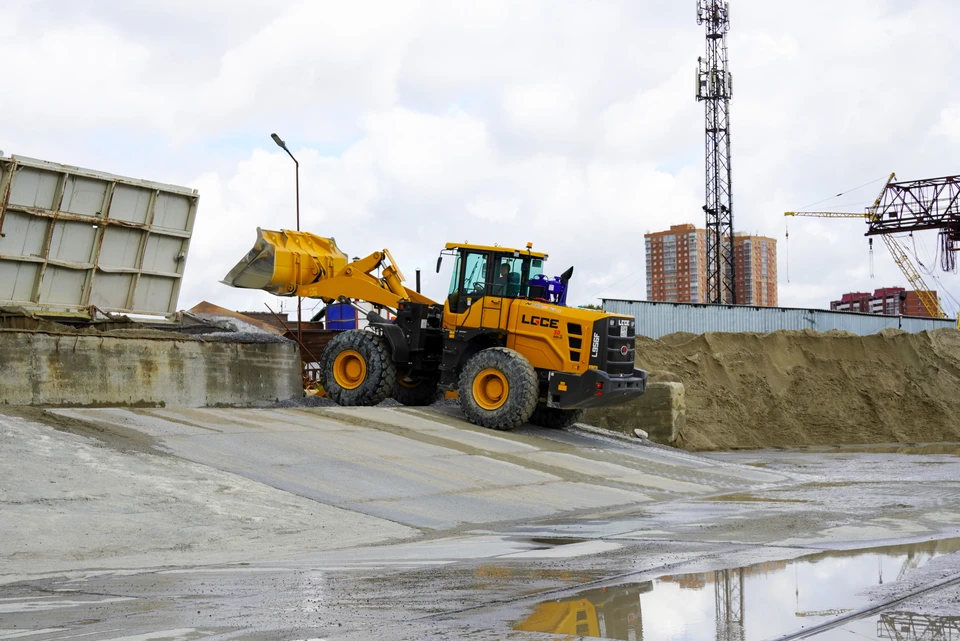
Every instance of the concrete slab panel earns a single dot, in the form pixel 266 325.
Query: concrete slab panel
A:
pixel 343 482
pixel 618 473
pixel 338 482
pixel 71 503
pixel 485 442
pixel 466 434
pixel 502 504
pixel 211 420
pixel 140 421
pixel 255 420
pixel 388 416
pixel 439 477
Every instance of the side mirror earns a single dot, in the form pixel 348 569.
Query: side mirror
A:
pixel 439 260
pixel 566 276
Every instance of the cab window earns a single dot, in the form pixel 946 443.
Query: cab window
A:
pixel 455 279
pixel 513 274
pixel 469 280
pixel 475 274
pixel 507 277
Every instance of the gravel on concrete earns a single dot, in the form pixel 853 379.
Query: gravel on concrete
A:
pixel 234 330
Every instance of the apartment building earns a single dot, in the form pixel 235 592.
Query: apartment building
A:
pixel 756 261
pixel 892 301
pixel 676 262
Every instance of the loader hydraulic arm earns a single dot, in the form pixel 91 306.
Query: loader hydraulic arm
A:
pixel 291 263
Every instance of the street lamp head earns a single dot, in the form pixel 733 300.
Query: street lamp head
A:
pixel 279 142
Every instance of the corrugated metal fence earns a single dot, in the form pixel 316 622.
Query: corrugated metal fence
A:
pixel 656 319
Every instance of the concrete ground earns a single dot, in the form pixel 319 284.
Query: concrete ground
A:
pixel 398 523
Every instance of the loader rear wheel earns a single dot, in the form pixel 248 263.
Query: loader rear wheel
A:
pixel 498 389
pixel 415 390
pixel 356 369
pixel 555 418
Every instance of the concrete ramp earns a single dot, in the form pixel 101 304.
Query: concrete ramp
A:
pixel 426 468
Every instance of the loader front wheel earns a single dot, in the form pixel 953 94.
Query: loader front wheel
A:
pixel 498 389
pixel 356 369
pixel 554 418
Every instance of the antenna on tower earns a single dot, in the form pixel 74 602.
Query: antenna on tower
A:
pixel 715 89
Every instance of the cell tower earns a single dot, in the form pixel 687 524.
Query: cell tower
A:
pixel 715 88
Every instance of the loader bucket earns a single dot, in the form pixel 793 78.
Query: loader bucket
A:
pixel 256 269
pixel 280 261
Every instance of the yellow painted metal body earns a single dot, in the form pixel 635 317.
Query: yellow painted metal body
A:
pixel 551 337
pixel 292 263
pixel 349 369
pixel 282 260
pixel 614 613
pixel 577 617
pixel 527 251
pixel 490 389
pixel 289 263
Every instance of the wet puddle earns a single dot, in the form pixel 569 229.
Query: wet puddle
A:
pixel 751 603
pixel 884 448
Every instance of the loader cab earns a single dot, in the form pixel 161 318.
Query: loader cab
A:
pixel 490 274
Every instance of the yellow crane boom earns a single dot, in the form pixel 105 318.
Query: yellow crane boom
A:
pixel 929 301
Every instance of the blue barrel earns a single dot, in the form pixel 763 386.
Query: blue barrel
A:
pixel 341 316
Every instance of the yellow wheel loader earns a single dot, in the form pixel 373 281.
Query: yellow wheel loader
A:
pixel 503 338
pixel 610 613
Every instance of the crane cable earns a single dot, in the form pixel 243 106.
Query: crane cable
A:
pixel 916 255
pixel 842 193
pixel 612 285
pixel 786 249
pixel 931 272
pixel 787 226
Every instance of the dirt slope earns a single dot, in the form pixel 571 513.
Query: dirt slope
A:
pixel 804 388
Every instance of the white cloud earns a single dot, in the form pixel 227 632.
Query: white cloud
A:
pixel 494 211
pixel 568 123
pixel 542 111
pixel 949 124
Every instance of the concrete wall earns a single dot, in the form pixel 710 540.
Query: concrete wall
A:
pixel 660 412
pixel 83 369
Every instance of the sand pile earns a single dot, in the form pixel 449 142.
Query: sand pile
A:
pixel 805 388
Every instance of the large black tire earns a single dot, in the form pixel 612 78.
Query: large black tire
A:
pixel 356 369
pixel 415 391
pixel 554 418
pixel 507 387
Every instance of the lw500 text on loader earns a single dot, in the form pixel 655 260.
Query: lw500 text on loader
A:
pixel 503 338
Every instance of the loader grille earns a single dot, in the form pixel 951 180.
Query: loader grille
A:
pixel 613 348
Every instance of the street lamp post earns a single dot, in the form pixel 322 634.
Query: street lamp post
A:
pixel 283 146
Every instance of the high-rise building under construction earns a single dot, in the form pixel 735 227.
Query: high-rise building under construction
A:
pixel 677 267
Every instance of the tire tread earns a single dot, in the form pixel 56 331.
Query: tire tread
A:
pixel 424 394
pixel 554 418
pixel 522 395
pixel 379 365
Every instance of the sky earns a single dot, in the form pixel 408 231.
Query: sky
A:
pixel 571 124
